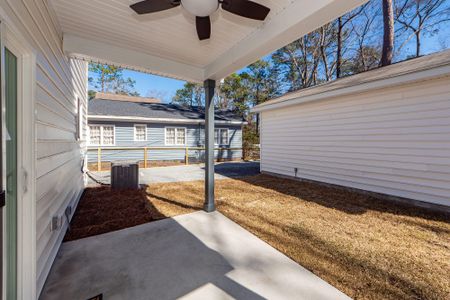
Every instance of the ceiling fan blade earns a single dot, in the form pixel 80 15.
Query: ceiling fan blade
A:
pixel 150 6
pixel 246 8
pixel 203 27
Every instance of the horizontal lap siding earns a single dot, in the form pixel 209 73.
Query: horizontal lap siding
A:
pixel 124 134
pixel 59 179
pixel 394 141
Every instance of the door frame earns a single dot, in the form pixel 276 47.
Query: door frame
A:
pixel 12 39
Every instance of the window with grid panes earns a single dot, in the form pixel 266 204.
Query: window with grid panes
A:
pixel 140 132
pixel 175 136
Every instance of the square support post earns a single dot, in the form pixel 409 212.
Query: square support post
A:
pixel 209 205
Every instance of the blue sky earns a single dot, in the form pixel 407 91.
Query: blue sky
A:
pixel 156 86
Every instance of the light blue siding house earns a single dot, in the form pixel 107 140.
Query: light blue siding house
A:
pixel 122 127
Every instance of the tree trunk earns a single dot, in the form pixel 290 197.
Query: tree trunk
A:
pixel 418 41
pixel 419 28
pixel 102 78
pixel 388 38
pixel 339 49
pixel 257 124
pixel 323 54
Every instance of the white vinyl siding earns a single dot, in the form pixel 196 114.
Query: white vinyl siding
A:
pixel 221 136
pixel 59 81
pixel 140 133
pixel 394 141
pixel 101 135
pixel 175 136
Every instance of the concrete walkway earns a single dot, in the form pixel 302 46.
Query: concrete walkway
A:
pixel 187 173
pixel 194 256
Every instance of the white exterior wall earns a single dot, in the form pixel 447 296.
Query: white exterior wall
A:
pixel 59 82
pixel 394 141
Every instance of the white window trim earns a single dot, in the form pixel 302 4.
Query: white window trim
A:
pixel 176 128
pixel 101 135
pixel 11 38
pixel 228 137
pixel 138 125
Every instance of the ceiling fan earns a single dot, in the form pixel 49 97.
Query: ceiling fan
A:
pixel 202 9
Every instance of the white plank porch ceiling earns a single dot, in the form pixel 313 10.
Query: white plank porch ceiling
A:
pixel 171 34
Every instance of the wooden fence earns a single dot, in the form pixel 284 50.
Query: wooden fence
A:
pixel 147 150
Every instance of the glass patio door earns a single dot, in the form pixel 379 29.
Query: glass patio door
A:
pixel 10 61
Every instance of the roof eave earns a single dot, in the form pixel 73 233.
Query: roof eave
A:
pixel 159 120
pixel 296 98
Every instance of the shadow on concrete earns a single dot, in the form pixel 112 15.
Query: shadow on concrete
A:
pixel 161 260
pixel 237 169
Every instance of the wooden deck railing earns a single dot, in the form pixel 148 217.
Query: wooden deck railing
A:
pixel 146 151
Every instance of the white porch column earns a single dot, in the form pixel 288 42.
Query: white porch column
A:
pixel 209 205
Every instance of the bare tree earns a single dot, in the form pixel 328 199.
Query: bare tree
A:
pixel 388 36
pixel 362 30
pixel 328 35
pixel 342 22
pixel 300 60
pixel 419 16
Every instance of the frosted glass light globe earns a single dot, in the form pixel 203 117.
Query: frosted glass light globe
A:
pixel 200 8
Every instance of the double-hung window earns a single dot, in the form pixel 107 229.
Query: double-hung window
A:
pixel 140 132
pixel 175 136
pixel 95 134
pixel 221 136
pixel 101 135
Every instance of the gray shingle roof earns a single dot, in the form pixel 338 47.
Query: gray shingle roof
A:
pixel 101 107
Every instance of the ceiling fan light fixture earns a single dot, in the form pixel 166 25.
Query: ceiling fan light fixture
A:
pixel 200 8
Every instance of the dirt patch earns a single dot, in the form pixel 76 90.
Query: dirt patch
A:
pixel 366 247
pixel 102 210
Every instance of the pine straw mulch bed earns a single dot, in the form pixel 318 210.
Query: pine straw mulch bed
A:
pixel 366 247
pixel 102 210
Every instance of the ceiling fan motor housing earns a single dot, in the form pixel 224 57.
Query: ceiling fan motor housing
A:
pixel 200 8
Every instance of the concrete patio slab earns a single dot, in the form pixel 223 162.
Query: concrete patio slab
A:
pixel 187 173
pixel 194 256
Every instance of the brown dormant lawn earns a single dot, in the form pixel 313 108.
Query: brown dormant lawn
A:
pixel 366 247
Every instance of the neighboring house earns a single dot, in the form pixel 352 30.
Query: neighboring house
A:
pixel 166 130
pixel 385 131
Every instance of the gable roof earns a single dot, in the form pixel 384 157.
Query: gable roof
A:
pixel 423 68
pixel 114 109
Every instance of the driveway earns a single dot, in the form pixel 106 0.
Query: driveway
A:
pixel 187 173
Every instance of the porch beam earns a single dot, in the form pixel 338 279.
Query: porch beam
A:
pixel 97 51
pixel 210 86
